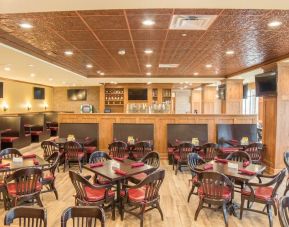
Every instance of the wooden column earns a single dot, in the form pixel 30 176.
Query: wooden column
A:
pixel 210 102
pixel 101 99
pixel 234 97
pixel 276 123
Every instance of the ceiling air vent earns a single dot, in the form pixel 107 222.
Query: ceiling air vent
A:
pixel 168 65
pixel 192 22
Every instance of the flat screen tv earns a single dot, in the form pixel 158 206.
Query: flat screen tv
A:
pixel 266 84
pixel 137 94
pixel 222 91
pixel 1 90
pixel 39 93
pixel 76 94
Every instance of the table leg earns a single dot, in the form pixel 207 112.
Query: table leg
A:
pixel 118 184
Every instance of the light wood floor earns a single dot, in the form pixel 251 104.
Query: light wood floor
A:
pixel 174 191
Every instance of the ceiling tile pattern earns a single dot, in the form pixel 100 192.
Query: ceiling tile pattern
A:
pixel 96 36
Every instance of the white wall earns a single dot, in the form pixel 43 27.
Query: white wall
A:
pixel 183 101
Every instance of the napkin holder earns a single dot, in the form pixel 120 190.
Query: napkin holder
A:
pixel 244 141
pixel 195 141
pixel 70 138
pixel 130 140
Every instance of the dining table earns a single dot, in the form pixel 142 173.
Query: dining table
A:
pixel 107 170
pixel 235 171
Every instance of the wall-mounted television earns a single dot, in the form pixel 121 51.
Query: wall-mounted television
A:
pixel 222 91
pixel 39 93
pixel 137 94
pixel 1 90
pixel 266 84
pixel 76 94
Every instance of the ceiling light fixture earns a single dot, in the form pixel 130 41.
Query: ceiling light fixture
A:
pixel 274 24
pixel 184 34
pixel 209 66
pixel 148 22
pixel 7 68
pixel 89 66
pixel 26 25
pixel 230 52
pixel 121 52
pixel 102 73
pixel 68 52
pixel 148 65
pixel 148 51
pixel 196 73
pixel 148 74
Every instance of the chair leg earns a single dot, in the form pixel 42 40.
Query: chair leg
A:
pixel 160 210
pixel 39 202
pixel 191 192
pixel 270 216
pixel 113 210
pixel 141 215
pixel 225 214
pixel 177 168
pixel 198 209
pixel 242 207
pixel 121 209
pixel 54 190
pixel 79 164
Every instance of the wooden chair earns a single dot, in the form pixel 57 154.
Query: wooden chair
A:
pixel 144 195
pixel 264 193
pixel 48 174
pixel 73 153
pixel 210 151
pixel 239 156
pixel 83 216
pixel 27 216
pixel 141 149
pixel 286 162
pixel 283 211
pixel 255 151
pixel 24 185
pixel 10 153
pixel 152 159
pixel 96 157
pixel 193 160
pixel 49 147
pixel 181 156
pixel 215 189
pixel 88 194
pixel 118 149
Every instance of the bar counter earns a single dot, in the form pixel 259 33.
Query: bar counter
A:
pixel 159 121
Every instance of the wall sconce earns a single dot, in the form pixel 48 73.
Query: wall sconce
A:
pixel 45 106
pixel 4 106
pixel 28 106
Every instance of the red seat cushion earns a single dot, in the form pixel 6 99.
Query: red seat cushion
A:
pixel 94 195
pixel 170 150
pixel 226 192
pixel 135 194
pixel 12 188
pixel 48 176
pixel 90 150
pixel 8 139
pixel 140 176
pixel 263 193
pixel 36 133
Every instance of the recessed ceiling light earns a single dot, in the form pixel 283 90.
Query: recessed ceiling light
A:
pixel 184 34
pixel 148 65
pixel 209 66
pixel 148 22
pixel 6 68
pixel 148 83
pixel 32 74
pixel 50 79
pixel 274 23
pixel 89 66
pixel 68 52
pixel 25 25
pixel 121 52
pixel 98 71
pixel 148 51
pixel 230 52
pixel 102 74
pixel 148 74
pixel 196 73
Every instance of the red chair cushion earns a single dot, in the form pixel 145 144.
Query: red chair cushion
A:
pixel 140 176
pixel 170 150
pixel 48 176
pixel 226 192
pixel 90 150
pixel 94 195
pixel 11 188
pixel 8 139
pixel 36 133
pixel 263 193
pixel 135 194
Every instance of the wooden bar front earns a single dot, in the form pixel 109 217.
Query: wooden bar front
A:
pixel 159 121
